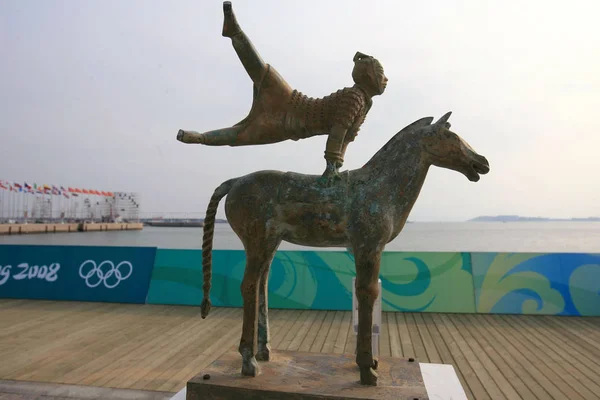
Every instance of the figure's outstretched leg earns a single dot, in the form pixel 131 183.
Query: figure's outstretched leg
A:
pixel 251 60
pixel 218 137
pixel 367 290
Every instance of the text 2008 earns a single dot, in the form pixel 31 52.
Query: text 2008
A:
pixel 26 271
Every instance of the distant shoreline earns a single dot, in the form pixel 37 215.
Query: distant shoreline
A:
pixel 517 218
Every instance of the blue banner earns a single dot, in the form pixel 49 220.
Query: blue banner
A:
pixel 81 273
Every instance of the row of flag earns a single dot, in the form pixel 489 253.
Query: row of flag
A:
pixel 53 190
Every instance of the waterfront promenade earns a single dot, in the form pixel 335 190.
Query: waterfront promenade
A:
pixel 24 229
pixel 159 347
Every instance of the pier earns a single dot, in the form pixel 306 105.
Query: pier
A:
pixel 157 348
pixel 23 229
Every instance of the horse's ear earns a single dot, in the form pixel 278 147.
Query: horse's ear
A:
pixel 359 56
pixel 444 119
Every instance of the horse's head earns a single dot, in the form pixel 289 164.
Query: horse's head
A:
pixel 444 148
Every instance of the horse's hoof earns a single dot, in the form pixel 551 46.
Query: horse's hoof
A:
pixel 180 135
pixel 368 377
pixel 263 354
pixel 250 367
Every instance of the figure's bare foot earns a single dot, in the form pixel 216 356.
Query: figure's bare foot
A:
pixel 264 353
pixel 250 367
pixel 368 376
pixel 230 25
pixel 190 137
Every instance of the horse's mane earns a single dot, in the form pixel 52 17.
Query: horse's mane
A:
pixel 420 123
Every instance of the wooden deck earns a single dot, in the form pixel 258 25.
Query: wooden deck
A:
pixel 159 348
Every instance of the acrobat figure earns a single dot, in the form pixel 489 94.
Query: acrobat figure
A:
pixel 280 113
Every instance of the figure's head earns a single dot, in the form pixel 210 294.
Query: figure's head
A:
pixel 368 74
pixel 446 149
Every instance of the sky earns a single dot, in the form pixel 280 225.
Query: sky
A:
pixel 92 94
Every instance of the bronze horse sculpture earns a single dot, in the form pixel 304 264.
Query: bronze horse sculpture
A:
pixel 363 212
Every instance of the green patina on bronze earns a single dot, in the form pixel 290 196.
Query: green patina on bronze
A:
pixel 361 210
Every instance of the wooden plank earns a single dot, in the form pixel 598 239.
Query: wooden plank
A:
pixel 470 377
pixel 540 356
pixel 394 337
pixel 405 339
pixel 415 338
pixel 571 347
pixel 178 345
pixel 226 342
pixel 508 382
pixel 329 342
pixel 506 358
pixel 590 324
pixel 577 367
pixel 445 354
pixel 315 328
pixel 350 347
pixel 587 338
pixel 482 373
pixel 126 367
pixel 283 341
pixel 340 342
pixel 322 335
pixel 142 332
pixel 530 368
pixel 432 353
pixel 34 325
pixel 301 333
pixel 63 336
pixel 164 372
pixel 533 358
pixel 384 336
pixel 289 323
pixel 92 345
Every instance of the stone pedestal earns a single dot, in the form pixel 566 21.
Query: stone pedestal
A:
pixel 299 376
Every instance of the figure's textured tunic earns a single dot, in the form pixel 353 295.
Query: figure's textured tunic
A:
pixel 280 113
pixel 307 116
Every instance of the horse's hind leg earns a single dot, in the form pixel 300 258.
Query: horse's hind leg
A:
pixel 264 338
pixel 251 60
pixel 249 290
pixel 257 261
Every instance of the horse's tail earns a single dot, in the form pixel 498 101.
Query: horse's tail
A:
pixel 207 242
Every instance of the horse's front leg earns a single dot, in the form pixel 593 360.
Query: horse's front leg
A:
pixel 264 338
pixel 367 290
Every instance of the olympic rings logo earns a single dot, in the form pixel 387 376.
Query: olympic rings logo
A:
pixel 105 273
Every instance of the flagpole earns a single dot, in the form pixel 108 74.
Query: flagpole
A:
pixel 10 201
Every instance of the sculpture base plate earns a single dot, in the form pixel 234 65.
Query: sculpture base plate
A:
pixel 300 375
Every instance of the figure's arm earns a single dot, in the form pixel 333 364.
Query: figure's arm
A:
pixel 334 153
pixel 350 136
